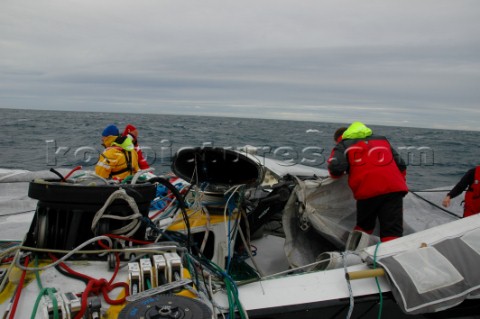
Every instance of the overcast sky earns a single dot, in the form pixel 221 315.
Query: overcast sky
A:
pixel 391 62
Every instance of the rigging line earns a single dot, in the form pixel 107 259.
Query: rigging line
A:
pixel 72 171
pixel 70 253
pixel 207 229
pixel 18 213
pixel 292 270
pixel 380 308
pixel 349 285
pixel 195 172
pixel 18 292
pixel 9 269
pixel 58 174
pixel 437 206
pixel 229 230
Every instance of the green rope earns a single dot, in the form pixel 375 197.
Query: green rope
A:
pixel 44 291
pixel 376 280
pixel 230 287
pixel 54 302
pixel 232 292
pixel 50 292
pixel 37 275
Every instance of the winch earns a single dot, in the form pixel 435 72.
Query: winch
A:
pixel 68 214
pixel 166 306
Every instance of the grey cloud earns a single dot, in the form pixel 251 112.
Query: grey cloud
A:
pixel 405 61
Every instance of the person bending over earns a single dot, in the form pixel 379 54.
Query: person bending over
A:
pixel 376 175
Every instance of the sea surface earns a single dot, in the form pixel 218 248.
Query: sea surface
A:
pixel 39 140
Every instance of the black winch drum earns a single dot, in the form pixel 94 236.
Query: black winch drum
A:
pixel 65 212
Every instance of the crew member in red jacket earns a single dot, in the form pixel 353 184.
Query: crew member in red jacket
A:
pixel 132 132
pixel 470 182
pixel 376 175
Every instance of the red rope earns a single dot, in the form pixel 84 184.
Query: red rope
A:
pixel 70 270
pixel 7 260
pixel 73 170
pixel 117 268
pixel 19 290
pixel 95 286
pixel 158 212
pixel 85 294
pixel 107 288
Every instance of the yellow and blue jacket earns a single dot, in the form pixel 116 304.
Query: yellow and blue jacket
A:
pixel 119 159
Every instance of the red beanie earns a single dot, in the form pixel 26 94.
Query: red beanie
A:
pixel 130 129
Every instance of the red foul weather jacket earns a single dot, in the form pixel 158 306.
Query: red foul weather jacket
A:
pixel 472 196
pixel 374 168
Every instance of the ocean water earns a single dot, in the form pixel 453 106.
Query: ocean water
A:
pixel 38 140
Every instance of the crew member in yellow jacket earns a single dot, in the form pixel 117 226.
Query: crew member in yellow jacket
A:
pixel 119 159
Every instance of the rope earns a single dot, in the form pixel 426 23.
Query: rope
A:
pixel 91 178
pixel 95 286
pixel 435 205
pixel 378 283
pixel 72 171
pixel 10 267
pixel 139 173
pixel 37 275
pixel 127 230
pixel 230 285
pixel 58 174
pixel 18 213
pixel 349 285
pixel 70 253
pixel 228 230
pixel 152 250
pixel 50 292
pixel 207 230
pixel 19 290
pixel 181 205
pixel 249 251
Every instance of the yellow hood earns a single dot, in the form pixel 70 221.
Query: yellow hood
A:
pixel 108 141
pixel 357 130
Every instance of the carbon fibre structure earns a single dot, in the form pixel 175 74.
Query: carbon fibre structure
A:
pixel 216 165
